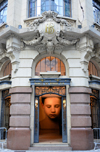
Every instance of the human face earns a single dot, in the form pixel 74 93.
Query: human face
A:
pixel 52 107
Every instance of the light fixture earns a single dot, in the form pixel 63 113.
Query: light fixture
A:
pixel 64 103
pixel 36 102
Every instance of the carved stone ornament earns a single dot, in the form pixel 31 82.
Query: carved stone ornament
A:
pixel 49 14
pixel 13 46
pixel 34 41
pixel 85 46
pixel 64 41
pixel 50 31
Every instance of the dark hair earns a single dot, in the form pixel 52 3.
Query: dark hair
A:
pixel 43 100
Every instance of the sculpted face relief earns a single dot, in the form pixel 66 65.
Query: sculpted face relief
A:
pixel 52 107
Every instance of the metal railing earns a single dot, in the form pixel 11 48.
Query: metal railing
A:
pixel 96 132
pixel 3 135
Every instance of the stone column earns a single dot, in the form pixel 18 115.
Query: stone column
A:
pixel 81 132
pixel 19 131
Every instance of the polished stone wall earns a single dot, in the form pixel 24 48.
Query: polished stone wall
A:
pixel 81 132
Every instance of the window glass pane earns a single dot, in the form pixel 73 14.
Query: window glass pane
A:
pixel 47 64
pixel 53 64
pixel 7 69
pixel 43 65
pixel 58 66
pixel 32 8
pixel 37 71
pixel 3 11
pixel 62 7
pixel 92 69
pixel 50 63
pixel 62 69
pixel 67 8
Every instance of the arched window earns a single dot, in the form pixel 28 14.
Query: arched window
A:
pixel 92 69
pixel 7 69
pixel 50 63
pixel 37 7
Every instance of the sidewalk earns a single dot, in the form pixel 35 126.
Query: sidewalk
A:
pixel 8 150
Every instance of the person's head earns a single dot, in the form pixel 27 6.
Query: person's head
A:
pixel 52 106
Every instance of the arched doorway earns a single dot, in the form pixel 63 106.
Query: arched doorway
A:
pixel 49 72
pixel 54 126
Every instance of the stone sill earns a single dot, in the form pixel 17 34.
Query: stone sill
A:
pixel 97 26
pixel 1 25
pixel 37 17
pixel 93 77
pixel 50 74
pixel 5 77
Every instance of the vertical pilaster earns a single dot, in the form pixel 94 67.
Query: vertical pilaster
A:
pixel 81 132
pixel 19 132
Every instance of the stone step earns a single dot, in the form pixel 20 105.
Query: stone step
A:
pixel 51 147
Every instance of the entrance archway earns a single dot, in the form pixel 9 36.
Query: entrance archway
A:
pixel 52 97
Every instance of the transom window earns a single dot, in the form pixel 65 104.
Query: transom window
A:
pixel 37 7
pixel 96 11
pixel 50 63
pixel 3 11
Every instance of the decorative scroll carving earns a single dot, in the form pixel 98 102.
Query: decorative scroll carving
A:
pixel 50 89
pixel 33 25
pixel 64 41
pixel 34 41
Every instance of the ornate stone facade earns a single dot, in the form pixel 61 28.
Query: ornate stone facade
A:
pixel 47 41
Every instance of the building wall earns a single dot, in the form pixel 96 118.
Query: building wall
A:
pixel 75 56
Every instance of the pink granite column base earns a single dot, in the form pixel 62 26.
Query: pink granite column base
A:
pixel 18 138
pixel 82 139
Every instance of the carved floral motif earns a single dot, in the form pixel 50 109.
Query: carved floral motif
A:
pixel 33 24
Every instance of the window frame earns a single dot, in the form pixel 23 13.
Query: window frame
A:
pixel 52 60
pixel 63 9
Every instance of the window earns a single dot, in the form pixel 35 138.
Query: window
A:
pixel 96 11
pixel 7 70
pixel 92 69
pixel 50 63
pixel 37 7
